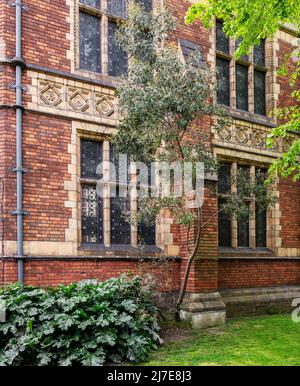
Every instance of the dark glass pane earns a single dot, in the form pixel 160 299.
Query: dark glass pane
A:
pixel 117 57
pixel 223 82
pixel 221 39
pixel 90 42
pixel 261 227
pixel 237 43
pixel 91 215
pixel 91 156
pixel 146 4
pixel 224 184
pixel 121 163
pixel 224 227
pixel 118 8
pixel 189 49
pixel 242 179
pixel 242 87
pixel 91 3
pixel 120 227
pixel 147 232
pixel 259 93
pixel 243 232
pixel 259 53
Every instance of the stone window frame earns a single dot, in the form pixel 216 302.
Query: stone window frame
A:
pixel 268 69
pixel 74 54
pixel 103 15
pixel 106 197
pixel 252 204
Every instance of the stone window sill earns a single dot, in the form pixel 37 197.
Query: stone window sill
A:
pixel 245 252
pixel 120 250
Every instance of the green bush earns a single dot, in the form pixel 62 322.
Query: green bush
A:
pixel 83 324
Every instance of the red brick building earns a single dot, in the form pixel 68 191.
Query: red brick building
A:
pixel 69 113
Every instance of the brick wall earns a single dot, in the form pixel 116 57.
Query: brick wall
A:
pixel 52 272
pixel 290 213
pixel 247 273
pixel 46 42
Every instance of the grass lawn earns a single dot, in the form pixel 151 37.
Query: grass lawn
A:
pixel 267 340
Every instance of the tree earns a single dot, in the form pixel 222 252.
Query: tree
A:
pixel 166 103
pixel 250 21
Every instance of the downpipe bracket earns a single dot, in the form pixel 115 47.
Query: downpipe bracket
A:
pixel 24 213
pixel 14 4
pixel 16 170
pixel 18 62
pixel 13 86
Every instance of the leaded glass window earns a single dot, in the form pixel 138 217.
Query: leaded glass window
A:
pixel 91 157
pixel 91 3
pixel 224 227
pixel 257 215
pixel 261 227
pixel 224 220
pixel 224 184
pixel 117 57
pixel 91 215
pixel 119 214
pixel 121 163
pixel 259 53
pixel 99 50
pixel 244 174
pixel 189 49
pixel 259 92
pixel 146 4
pixel 91 202
pixel 120 203
pixel 254 62
pixel 237 44
pixel 146 229
pixel 118 8
pixel 243 231
pixel 147 233
pixel 222 40
pixel 89 46
pixel 242 87
pixel 223 82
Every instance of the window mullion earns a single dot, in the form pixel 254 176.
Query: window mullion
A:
pixel 252 220
pixel 232 74
pixel 234 223
pixel 104 44
pixel 133 203
pixel 106 195
pixel 251 88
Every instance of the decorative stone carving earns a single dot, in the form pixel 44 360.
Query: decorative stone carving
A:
pixel 78 100
pixel 104 105
pixel 51 94
pixel 241 135
pixel 251 135
pixel 286 143
pixel 74 98
pixel 258 139
pixel 225 134
pixel 276 144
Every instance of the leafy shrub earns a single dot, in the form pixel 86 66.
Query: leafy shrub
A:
pixel 87 324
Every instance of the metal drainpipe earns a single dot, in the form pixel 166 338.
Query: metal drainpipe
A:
pixel 19 157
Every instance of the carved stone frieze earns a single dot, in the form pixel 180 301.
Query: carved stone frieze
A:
pixel 250 137
pixel 74 99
